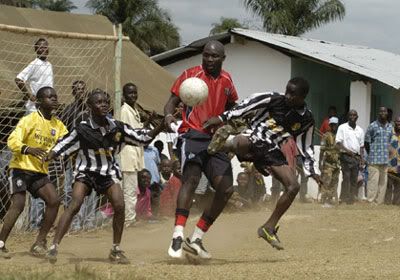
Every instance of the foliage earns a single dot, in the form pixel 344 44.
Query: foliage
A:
pixel 224 25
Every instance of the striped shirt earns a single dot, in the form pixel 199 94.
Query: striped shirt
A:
pixel 96 146
pixel 274 121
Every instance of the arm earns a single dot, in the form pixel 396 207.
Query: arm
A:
pixel 65 146
pixel 21 79
pixel 169 110
pixel 140 136
pixel 368 139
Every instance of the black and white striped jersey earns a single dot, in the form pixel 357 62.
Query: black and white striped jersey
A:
pixel 97 146
pixel 274 121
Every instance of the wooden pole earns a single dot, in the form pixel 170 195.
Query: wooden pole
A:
pixel 118 58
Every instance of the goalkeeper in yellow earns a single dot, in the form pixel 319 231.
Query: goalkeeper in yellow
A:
pixel 34 135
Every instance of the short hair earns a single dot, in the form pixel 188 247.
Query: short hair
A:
pixel 93 93
pixel 41 92
pixel 37 43
pixel 158 143
pixel 127 85
pixel 301 84
pixel 243 173
pixel 332 108
pixel 78 82
pixel 141 172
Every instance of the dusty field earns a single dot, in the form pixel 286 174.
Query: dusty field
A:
pixel 350 242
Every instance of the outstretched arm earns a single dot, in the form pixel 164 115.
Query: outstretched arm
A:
pixel 66 146
pixel 169 110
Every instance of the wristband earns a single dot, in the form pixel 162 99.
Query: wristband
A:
pixel 24 149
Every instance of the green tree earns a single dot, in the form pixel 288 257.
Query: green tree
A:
pixel 224 25
pixel 51 5
pixel 149 27
pixel 18 3
pixel 295 17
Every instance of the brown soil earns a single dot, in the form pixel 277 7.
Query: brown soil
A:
pixel 349 242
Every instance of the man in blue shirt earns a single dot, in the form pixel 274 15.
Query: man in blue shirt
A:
pixel 377 141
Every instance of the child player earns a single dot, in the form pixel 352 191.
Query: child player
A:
pixel 96 141
pixel 277 117
pixel 34 135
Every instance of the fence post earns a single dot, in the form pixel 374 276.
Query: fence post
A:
pixel 118 58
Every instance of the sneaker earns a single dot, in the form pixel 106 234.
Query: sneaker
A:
pixel 4 253
pixel 38 249
pixel 219 139
pixel 270 236
pixel 196 248
pixel 175 249
pixel 117 256
pixel 52 254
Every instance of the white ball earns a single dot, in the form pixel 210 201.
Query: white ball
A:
pixel 193 91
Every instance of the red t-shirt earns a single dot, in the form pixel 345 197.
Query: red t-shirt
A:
pixel 220 92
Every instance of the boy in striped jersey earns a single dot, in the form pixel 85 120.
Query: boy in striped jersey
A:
pixel 277 117
pixel 95 142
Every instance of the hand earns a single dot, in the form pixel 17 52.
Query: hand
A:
pixel 214 121
pixel 36 152
pixel 49 156
pixel 168 120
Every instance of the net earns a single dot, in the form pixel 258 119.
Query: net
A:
pixel 72 59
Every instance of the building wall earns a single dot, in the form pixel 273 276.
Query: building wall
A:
pixel 253 66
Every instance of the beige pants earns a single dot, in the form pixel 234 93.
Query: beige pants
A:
pixel 377 183
pixel 130 188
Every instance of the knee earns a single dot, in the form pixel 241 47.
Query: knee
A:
pixel 192 181
pixel 293 188
pixel 75 206
pixel 53 202
pixel 18 204
pixel 119 206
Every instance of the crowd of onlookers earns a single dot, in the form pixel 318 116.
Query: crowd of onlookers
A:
pixel 368 159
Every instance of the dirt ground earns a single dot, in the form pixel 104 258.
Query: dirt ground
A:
pixel 349 242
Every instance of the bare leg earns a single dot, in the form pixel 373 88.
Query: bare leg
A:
pixel 116 197
pixel 224 190
pixel 190 178
pixel 285 175
pixel 79 192
pixel 49 195
pixel 16 208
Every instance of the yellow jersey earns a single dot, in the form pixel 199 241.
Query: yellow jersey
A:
pixel 34 131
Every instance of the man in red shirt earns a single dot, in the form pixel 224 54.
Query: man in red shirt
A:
pixel 195 139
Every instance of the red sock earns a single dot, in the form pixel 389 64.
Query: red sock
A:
pixel 181 216
pixel 203 224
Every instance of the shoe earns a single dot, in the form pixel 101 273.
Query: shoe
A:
pixel 39 249
pixel 219 139
pixel 117 256
pixel 4 253
pixel 270 236
pixel 52 254
pixel 175 249
pixel 196 248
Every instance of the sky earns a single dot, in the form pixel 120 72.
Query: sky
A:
pixel 370 23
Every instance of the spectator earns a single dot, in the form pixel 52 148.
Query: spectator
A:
pixel 169 194
pixel 165 172
pixel 160 147
pixel 38 74
pixel 377 140
pixel 350 141
pixel 132 158
pixel 332 112
pixel 303 181
pixel 393 191
pixel 329 164
pixel 151 162
pixel 173 137
pixel 242 187
pixel 143 205
pixel 256 186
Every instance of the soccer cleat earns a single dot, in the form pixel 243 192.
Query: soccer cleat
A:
pixel 175 249
pixel 52 255
pixel 219 139
pixel 117 256
pixel 4 253
pixel 270 236
pixel 39 249
pixel 196 248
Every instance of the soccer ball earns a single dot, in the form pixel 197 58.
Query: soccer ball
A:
pixel 193 91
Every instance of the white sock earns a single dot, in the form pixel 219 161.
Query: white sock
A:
pixel 1 244
pixel 54 246
pixel 197 233
pixel 178 231
pixel 115 247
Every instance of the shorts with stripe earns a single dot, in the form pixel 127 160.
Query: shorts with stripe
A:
pixel 95 181
pixel 24 180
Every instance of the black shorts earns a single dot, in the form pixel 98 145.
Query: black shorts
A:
pixel 96 182
pixel 264 155
pixel 194 149
pixel 24 180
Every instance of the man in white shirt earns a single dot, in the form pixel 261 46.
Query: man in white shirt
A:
pixel 38 74
pixel 350 141
pixel 132 158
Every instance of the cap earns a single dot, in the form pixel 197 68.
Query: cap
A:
pixel 333 120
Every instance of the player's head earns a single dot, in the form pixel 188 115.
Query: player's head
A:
pixel 383 114
pixel 296 92
pixel 130 93
pixel 242 179
pixel 78 89
pixel 176 168
pixel 41 48
pixel 213 56
pixel 46 99
pixel 352 116
pixel 144 178
pixel 98 102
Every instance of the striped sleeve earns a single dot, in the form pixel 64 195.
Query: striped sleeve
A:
pixel 253 102
pixel 68 145
pixel 136 136
pixel 306 150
